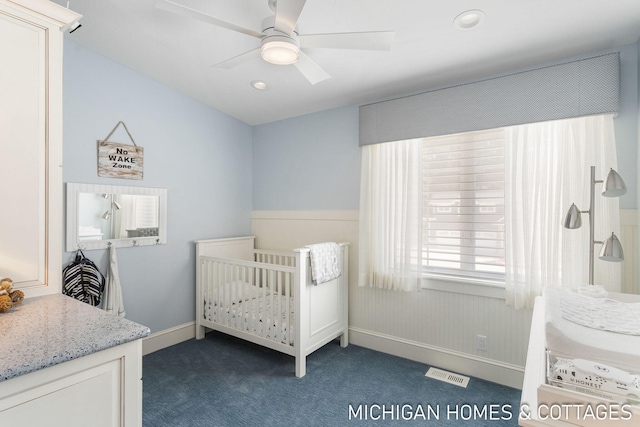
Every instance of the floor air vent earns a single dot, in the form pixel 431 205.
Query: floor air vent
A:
pixel 448 377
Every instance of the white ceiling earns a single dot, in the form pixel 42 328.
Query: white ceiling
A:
pixel 428 50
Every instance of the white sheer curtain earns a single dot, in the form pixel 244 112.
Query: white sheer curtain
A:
pixel 548 168
pixel 126 216
pixel 391 215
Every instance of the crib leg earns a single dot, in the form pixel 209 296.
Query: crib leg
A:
pixel 344 339
pixel 301 366
pixel 200 331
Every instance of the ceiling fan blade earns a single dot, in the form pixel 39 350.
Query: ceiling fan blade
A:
pixel 287 14
pixel 237 60
pixel 179 9
pixel 310 69
pixel 373 40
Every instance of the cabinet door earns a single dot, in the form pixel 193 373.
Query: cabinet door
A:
pixel 102 389
pixel 31 143
pixel 23 151
pixel 89 398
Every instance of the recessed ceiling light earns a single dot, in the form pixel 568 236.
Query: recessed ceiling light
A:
pixel 259 84
pixel 469 18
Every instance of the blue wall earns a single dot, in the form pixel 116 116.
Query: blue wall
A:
pixel 217 169
pixel 290 156
pixel 202 156
pixel 310 162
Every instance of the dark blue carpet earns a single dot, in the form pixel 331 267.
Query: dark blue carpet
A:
pixel 224 381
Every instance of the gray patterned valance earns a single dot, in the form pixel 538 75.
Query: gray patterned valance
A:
pixel 572 89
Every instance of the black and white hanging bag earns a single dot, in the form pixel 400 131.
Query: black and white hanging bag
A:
pixel 82 280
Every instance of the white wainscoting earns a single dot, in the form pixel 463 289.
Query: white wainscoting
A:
pixel 629 240
pixel 436 327
pixel 433 327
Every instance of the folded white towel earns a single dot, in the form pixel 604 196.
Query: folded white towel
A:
pixel 325 262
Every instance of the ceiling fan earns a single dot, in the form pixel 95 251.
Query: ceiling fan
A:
pixel 280 42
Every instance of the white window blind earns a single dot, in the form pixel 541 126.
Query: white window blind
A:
pixel 463 205
pixel 147 211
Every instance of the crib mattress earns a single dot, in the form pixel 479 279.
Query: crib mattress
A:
pixel 261 315
pixel 573 339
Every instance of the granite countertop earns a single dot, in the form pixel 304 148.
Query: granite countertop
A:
pixel 47 330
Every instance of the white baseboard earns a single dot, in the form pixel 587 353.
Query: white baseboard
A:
pixel 486 369
pixel 168 337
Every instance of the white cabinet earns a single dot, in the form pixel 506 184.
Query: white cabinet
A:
pixel 65 363
pixel 31 37
pixel 102 389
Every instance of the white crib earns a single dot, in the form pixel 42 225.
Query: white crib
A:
pixel 267 297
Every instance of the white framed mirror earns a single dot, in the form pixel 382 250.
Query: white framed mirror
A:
pixel 102 215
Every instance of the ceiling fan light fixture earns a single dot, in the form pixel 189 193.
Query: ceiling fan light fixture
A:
pixel 280 52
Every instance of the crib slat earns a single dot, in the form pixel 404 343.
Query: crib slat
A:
pixel 216 289
pixel 278 321
pixel 206 293
pixel 215 292
pixel 271 292
pixel 211 289
pixel 239 308
pixel 252 317
pixel 287 293
pixel 243 297
pixel 221 293
pixel 228 277
pixel 226 291
pixel 246 295
pixel 263 301
pixel 235 304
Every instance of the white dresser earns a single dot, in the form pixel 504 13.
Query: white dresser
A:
pixel 64 363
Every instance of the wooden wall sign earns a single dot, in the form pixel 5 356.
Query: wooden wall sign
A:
pixel 120 160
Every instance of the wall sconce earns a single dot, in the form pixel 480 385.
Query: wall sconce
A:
pixel 113 205
pixel 614 186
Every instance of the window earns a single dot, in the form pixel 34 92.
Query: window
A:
pixel 483 205
pixel 463 205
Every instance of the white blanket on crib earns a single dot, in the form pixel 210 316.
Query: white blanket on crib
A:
pixel 325 262
pixel 232 292
pixel 254 314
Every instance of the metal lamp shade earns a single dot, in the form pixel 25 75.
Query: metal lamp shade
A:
pixel 612 250
pixel 614 185
pixel 574 218
pixel 106 215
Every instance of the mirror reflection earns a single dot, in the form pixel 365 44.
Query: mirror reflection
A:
pixel 100 216
pixel 103 216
